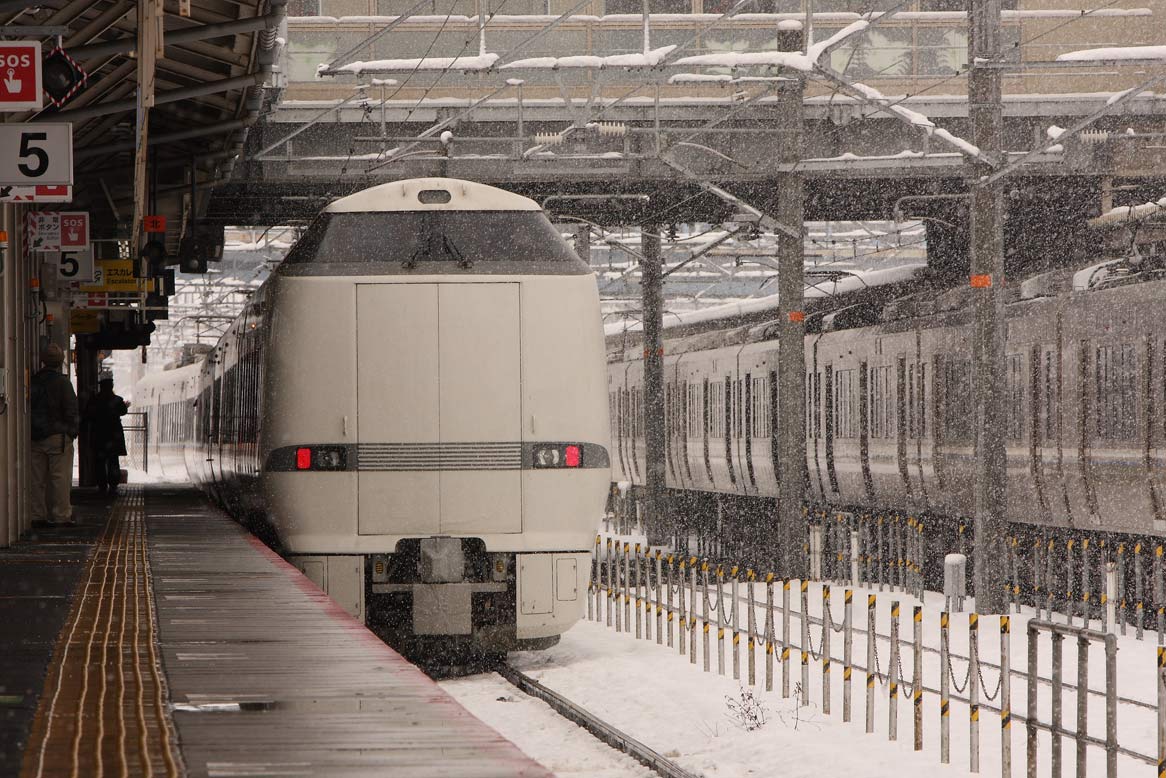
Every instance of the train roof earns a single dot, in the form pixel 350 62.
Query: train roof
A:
pixel 408 195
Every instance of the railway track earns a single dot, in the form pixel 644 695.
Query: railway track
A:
pixel 603 731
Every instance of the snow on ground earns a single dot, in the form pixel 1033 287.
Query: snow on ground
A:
pixel 541 733
pixel 657 697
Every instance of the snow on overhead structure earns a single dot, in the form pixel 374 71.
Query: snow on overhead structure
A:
pixel 1128 213
pixel 1114 53
pixel 852 282
pixel 406 196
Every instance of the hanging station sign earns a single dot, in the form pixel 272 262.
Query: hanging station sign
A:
pixel 20 76
pixel 36 153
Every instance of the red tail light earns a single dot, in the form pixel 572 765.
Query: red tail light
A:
pixel 572 456
pixel 303 458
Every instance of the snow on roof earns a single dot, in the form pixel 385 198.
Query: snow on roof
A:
pixel 1128 213
pixel 405 196
pixel 476 62
pixel 1114 53
pixel 849 283
pixel 641 60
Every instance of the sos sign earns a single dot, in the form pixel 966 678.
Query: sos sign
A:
pixel 20 76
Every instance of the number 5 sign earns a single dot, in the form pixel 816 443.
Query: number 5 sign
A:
pixel 75 265
pixel 36 154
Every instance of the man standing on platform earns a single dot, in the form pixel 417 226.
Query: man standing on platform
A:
pixel 54 420
pixel 104 414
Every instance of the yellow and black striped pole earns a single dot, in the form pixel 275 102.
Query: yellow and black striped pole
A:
pixel 751 626
pixel 769 632
pixel 720 620
pixel 1161 712
pixel 704 587
pixel 592 582
pixel 639 598
pixel 917 675
pixel 682 622
pixel 944 689
pixel 670 612
pixel 1070 598
pixel 785 637
pixel 608 574
pixel 893 672
pixel 824 647
pixel 627 587
pixel 1139 591
pixel 974 692
pixel 847 651
pixel 805 642
pixel 692 611
pixel 1006 695
pixel 871 662
pixel 659 600
pixel 734 598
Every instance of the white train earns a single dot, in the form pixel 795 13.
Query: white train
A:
pixel 414 405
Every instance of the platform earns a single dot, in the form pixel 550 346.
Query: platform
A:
pixel 189 648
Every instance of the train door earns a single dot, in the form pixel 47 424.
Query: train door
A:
pixel 439 417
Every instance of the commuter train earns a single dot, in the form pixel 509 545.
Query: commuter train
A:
pixel 889 405
pixel 413 406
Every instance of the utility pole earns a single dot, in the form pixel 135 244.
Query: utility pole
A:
pixel 652 289
pixel 985 96
pixel 791 365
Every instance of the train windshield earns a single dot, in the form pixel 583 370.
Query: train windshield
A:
pixel 459 238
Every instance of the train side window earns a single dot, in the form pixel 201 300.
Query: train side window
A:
pixel 922 399
pixel 957 392
pixel 1116 382
pixel 846 403
pixel 1052 393
pixel 882 420
pixel 1014 387
pixel 694 410
pixel 760 409
pixel 716 403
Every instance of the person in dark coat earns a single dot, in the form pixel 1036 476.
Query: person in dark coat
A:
pixel 104 414
pixel 53 421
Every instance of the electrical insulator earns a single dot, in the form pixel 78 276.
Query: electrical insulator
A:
pixel 611 129
pixel 549 138
pixel 1093 136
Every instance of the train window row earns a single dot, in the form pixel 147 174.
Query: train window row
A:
pixel 173 422
pixel 1112 382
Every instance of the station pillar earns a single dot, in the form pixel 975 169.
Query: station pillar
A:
pixel 652 289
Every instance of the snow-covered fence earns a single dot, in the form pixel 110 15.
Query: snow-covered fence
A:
pixel 687 593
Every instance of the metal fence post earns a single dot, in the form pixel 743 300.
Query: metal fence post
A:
pixel 704 585
pixel 805 642
pixel 880 550
pixel 855 558
pixel 1159 594
pixel 917 676
pixel 785 637
pixel 1050 576
pixel 734 597
pixel 627 589
pixel 824 647
pixel 1082 702
pixel 893 671
pixel 847 651
pixel 1058 703
pixel 974 692
pixel 1032 672
pixel 639 598
pixel 1005 698
pixel 647 593
pixel 660 602
pixel 871 662
pixel 1111 595
pixel 682 624
pixel 751 626
pixel 1086 594
pixel 720 620
pixel 1161 711
pixel 592 582
pixel 1139 590
pixel 1070 598
pixel 1110 706
pixel 608 574
pixel 1121 585
pixel 692 611
pixel 770 631
pixel 944 690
